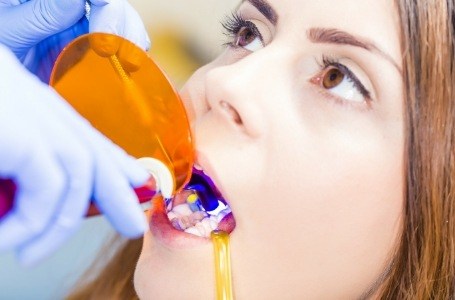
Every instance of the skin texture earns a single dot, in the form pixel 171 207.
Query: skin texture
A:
pixel 315 181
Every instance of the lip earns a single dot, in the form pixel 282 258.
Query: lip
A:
pixel 227 224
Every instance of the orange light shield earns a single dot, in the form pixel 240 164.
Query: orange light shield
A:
pixel 125 95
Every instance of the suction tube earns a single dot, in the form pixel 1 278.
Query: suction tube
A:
pixel 223 274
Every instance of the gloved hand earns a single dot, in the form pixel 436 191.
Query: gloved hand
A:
pixel 58 162
pixel 37 30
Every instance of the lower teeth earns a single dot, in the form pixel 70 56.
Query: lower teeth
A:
pixel 203 228
pixel 200 223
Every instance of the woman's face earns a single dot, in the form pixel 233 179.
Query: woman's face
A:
pixel 300 124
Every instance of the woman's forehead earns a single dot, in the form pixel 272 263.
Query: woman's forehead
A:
pixel 375 21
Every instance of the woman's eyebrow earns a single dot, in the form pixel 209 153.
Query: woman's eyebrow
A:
pixel 336 36
pixel 266 9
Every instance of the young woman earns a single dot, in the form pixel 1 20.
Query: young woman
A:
pixel 328 128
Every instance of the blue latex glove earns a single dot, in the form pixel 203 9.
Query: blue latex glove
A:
pixel 37 30
pixel 58 162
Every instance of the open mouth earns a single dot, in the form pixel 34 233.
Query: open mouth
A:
pixel 200 208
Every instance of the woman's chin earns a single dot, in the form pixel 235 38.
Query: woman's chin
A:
pixel 169 273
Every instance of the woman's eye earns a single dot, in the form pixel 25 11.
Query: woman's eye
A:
pixel 340 82
pixel 248 39
pixel 243 33
pixel 332 78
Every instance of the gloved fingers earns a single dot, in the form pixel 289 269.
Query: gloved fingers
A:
pixel 63 113
pixel 41 58
pixel 108 18
pixel 130 57
pixel 135 174
pixel 41 183
pixel 41 177
pixel 105 45
pixel 119 17
pixel 114 197
pixel 68 217
pixel 4 3
pixel 100 2
pixel 36 20
pixel 112 174
pixel 51 104
pixel 135 30
pixel 61 229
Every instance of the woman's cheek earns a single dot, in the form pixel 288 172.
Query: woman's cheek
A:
pixel 194 93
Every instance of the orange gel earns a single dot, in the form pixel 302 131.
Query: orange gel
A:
pixel 223 274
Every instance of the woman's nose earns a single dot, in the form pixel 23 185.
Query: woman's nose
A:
pixel 234 94
pixel 232 112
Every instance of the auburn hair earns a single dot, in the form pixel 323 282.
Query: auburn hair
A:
pixel 424 264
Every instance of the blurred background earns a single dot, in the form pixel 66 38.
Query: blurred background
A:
pixel 185 35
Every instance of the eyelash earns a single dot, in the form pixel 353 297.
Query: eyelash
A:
pixel 235 22
pixel 232 26
pixel 328 62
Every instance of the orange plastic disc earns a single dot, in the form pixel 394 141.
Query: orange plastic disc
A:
pixel 125 95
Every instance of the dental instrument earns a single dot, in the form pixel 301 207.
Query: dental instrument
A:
pixel 223 274
pixel 125 95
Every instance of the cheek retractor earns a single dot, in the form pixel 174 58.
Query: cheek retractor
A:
pixel 223 274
